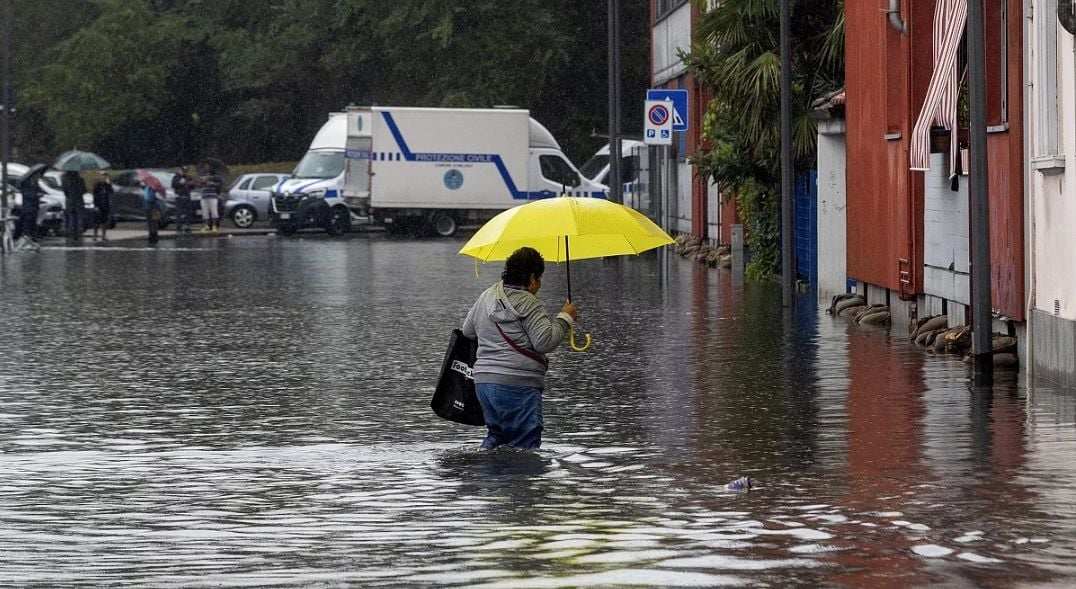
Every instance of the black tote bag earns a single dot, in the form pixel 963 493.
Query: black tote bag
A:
pixel 455 398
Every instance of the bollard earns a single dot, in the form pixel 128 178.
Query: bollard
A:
pixel 737 248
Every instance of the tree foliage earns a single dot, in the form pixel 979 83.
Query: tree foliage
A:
pixel 736 55
pixel 150 82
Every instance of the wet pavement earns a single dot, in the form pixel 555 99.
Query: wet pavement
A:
pixel 254 412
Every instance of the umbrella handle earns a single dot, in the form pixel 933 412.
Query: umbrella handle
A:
pixel 575 346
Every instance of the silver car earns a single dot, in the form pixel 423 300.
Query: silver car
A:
pixel 248 198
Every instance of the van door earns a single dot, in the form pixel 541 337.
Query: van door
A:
pixel 550 172
pixel 357 157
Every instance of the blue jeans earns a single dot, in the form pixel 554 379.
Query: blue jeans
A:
pixel 513 415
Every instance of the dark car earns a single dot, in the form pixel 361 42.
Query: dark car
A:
pixel 127 200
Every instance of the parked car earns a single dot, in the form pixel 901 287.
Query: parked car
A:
pixel 50 214
pixel 248 198
pixel 127 200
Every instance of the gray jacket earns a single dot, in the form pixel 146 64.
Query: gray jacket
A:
pixel 523 319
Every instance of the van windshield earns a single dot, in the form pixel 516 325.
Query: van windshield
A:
pixel 594 166
pixel 320 164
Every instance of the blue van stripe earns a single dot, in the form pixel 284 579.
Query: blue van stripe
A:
pixel 395 130
pixel 494 159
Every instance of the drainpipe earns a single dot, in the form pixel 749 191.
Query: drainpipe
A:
pixel 894 17
pixel 1030 271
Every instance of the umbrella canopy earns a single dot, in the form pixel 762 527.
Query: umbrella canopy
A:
pixel 77 161
pixel 566 228
pixel 30 179
pixel 147 178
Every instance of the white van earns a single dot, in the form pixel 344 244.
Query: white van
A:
pixel 425 169
pixel 634 157
pixel 312 196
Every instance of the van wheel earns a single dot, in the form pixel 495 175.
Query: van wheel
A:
pixel 444 225
pixel 339 221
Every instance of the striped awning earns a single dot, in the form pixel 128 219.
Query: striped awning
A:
pixel 950 18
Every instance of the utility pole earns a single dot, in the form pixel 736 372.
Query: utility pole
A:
pixel 5 110
pixel 788 268
pixel 615 185
pixel 981 310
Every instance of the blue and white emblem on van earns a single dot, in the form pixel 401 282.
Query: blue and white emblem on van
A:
pixel 453 179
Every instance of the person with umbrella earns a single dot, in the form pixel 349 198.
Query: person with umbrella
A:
pixel 513 330
pixel 31 200
pixel 151 187
pixel 71 163
pixel 514 334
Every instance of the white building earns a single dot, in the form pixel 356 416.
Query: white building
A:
pixel 1051 191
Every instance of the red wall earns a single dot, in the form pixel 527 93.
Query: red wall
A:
pixel 887 75
pixel 1005 155
pixel 883 212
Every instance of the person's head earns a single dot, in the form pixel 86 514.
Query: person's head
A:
pixel 524 268
pixel 182 170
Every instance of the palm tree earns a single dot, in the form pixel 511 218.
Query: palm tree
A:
pixel 735 54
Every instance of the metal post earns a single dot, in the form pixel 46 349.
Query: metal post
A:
pixel 787 264
pixel 615 185
pixel 5 110
pixel 981 312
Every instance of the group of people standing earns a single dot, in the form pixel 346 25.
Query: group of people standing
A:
pixel 74 186
pixel 212 184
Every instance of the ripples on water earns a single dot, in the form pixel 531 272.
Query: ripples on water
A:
pixel 254 412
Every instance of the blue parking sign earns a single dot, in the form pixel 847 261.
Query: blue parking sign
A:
pixel 679 102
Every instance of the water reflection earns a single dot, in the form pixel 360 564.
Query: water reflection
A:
pixel 254 412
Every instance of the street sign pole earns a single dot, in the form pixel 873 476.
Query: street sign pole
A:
pixel 5 110
pixel 978 189
pixel 615 185
pixel 787 265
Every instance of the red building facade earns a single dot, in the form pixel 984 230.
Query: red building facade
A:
pixel 887 75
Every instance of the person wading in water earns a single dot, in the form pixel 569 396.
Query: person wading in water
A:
pixel 514 334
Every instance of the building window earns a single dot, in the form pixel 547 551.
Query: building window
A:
pixel 664 7
pixel 1047 141
pixel 996 14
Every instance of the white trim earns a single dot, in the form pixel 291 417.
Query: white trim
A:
pixel 1047 138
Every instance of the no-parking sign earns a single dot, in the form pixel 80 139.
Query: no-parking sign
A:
pixel 657 128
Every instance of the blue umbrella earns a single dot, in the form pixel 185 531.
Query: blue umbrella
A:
pixel 77 161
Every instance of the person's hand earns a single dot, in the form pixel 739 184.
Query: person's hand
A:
pixel 570 309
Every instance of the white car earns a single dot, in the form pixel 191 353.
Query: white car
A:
pixel 50 212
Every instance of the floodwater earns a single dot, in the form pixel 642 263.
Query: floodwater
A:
pixel 254 412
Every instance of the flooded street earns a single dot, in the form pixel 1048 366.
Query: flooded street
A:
pixel 255 412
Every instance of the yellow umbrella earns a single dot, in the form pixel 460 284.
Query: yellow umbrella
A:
pixel 567 228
